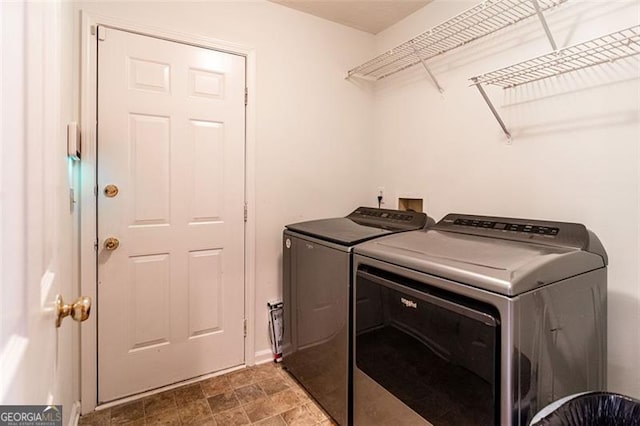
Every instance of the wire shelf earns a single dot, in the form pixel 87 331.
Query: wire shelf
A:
pixel 472 24
pixel 608 48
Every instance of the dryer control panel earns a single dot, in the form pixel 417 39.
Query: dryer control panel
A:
pixel 561 234
pixel 506 226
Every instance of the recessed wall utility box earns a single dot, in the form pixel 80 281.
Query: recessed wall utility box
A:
pixel 411 204
pixel 73 141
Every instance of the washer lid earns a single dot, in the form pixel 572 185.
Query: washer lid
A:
pixel 363 224
pixel 504 266
pixel 339 230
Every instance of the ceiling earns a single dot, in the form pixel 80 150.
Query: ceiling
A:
pixel 371 16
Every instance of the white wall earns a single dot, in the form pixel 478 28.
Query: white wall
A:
pixel 313 134
pixel 574 156
pixel 324 144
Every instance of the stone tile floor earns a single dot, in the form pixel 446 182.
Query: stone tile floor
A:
pixel 261 395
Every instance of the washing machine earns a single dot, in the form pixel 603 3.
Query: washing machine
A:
pixel 477 321
pixel 317 262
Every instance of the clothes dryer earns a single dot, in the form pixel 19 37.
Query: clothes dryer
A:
pixel 477 320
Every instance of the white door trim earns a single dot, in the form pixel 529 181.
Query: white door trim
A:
pixel 88 224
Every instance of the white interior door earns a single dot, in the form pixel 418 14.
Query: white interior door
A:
pixel 38 362
pixel 171 139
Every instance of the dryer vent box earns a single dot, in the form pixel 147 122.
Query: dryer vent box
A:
pixel 410 204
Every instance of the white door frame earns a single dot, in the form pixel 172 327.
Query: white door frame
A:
pixel 88 222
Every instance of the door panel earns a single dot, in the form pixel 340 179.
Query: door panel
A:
pixel 149 300
pixel 207 165
pixel 205 290
pixel 149 145
pixel 171 138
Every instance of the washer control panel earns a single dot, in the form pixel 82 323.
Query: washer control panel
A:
pixel 388 219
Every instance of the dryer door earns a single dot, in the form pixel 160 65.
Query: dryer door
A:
pixel 423 353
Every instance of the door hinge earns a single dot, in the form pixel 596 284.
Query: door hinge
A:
pixel 102 33
pixel 244 326
pixel 95 191
pixel 95 245
pixel 72 198
pixel 246 96
pixel 245 211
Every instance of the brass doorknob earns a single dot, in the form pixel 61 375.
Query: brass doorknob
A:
pixel 111 243
pixel 79 310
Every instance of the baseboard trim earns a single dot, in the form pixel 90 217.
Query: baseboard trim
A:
pixel 75 414
pixel 263 357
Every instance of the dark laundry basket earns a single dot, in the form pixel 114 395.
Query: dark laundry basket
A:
pixel 590 409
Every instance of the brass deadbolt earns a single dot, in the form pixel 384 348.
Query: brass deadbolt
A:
pixel 111 243
pixel 79 310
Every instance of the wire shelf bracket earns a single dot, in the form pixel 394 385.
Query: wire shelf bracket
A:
pixel 472 24
pixel 494 112
pixel 428 70
pixel 543 21
pixel 605 49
